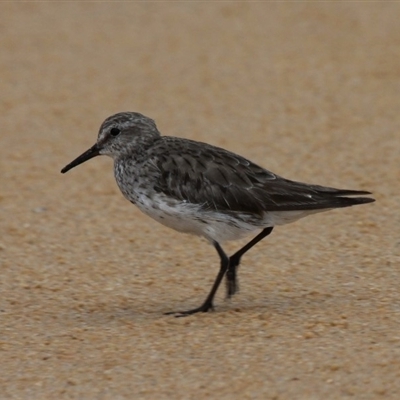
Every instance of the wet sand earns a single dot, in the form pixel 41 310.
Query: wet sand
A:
pixel 309 91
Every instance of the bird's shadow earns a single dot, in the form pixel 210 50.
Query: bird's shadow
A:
pixel 127 311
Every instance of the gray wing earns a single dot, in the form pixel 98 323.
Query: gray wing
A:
pixel 217 179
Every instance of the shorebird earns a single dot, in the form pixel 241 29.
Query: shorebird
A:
pixel 204 190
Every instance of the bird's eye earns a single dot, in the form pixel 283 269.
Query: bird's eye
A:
pixel 115 132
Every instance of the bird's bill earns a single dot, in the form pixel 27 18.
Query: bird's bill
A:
pixel 87 155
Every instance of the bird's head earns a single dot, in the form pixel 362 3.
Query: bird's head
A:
pixel 119 135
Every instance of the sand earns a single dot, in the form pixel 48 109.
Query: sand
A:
pixel 309 91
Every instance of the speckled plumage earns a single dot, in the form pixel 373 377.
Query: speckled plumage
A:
pixel 204 190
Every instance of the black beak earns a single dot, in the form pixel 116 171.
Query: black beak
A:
pixel 87 155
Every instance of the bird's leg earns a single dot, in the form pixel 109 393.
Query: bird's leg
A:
pixel 232 285
pixel 208 303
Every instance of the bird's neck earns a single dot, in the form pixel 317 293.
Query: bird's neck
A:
pixel 138 149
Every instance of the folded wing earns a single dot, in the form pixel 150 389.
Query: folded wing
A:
pixel 219 180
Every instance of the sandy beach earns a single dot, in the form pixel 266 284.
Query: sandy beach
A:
pixel 309 91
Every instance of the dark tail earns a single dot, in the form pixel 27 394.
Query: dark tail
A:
pixel 294 196
pixel 341 192
pixel 337 198
pixel 351 201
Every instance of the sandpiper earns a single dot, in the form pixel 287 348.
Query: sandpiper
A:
pixel 204 190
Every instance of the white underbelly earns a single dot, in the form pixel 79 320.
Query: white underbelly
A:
pixel 213 225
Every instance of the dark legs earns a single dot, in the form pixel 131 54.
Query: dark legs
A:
pixel 232 285
pixel 228 266
pixel 208 303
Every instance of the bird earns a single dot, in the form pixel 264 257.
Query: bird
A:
pixel 204 190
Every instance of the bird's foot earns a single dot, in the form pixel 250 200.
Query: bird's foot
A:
pixel 231 289
pixel 205 307
pixel 231 283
